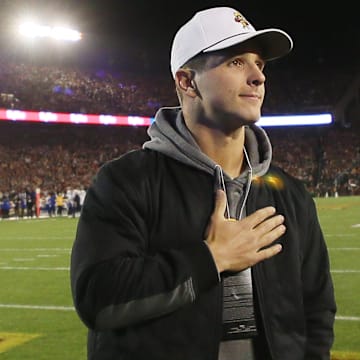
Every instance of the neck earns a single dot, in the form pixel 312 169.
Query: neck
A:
pixel 226 150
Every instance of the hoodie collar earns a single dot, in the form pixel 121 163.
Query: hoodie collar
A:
pixel 170 136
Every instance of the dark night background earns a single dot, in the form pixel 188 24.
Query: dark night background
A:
pixel 138 33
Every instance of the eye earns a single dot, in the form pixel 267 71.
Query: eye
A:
pixel 237 62
pixel 261 65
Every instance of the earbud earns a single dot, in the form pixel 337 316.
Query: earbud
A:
pixel 193 85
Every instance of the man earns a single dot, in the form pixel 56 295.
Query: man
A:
pixel 163 269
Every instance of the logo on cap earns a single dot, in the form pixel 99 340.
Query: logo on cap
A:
pixel 240 19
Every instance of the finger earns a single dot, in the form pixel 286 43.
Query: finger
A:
pixel 268 252
pixel 270 223
pixel 220 204
pixel 260 215
pixel 271 236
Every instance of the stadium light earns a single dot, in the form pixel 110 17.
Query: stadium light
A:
pixel 42 31
pixel 296 120
pixel 66 34
pixel 121 120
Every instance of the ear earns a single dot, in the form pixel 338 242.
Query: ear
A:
pixel 184 81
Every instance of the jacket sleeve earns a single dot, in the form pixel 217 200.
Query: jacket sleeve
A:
pixel 319 300
pixel 117 279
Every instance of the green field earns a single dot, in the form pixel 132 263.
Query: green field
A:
pixel 37 320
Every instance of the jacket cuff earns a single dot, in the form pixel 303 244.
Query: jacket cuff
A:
pixel 203 268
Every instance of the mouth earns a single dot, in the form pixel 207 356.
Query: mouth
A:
pixel 251 96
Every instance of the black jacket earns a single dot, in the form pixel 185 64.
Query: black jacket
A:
pixel 144 281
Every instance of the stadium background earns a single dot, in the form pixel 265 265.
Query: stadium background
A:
pixel 120 67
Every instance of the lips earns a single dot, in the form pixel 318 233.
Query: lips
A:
pixel 251 96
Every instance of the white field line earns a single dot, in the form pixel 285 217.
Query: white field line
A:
pixel 46 255
pixel 60 268
pixel 32 238
pixel 344 271
pixel 37 307
pixel 339 235
pixel 27 268
pixel 23 259
pixel 36 249
pixel 348 318
pixel 71 308
pixel 34 268
pixel 69 249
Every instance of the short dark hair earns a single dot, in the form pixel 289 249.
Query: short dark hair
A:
pixel 197 63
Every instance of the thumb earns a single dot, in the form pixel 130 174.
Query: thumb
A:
pixel 220 204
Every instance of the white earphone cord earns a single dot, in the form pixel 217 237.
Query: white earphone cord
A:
pixel 222 181
pixel 248 185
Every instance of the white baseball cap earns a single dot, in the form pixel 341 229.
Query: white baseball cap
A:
pixel 219 28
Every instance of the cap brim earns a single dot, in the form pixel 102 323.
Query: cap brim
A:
pixel 274 43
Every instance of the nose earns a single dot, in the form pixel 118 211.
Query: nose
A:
pixel 256 76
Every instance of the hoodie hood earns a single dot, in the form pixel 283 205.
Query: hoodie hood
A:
pixel 170 136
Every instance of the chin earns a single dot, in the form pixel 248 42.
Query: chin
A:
pixel 251 120
pixel 250 117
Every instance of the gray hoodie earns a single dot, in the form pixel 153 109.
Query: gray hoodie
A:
pixel 169 135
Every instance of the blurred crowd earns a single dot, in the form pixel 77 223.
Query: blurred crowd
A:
pixel 326 159
pixel 61 160
pixel 95 90
pixel 53 88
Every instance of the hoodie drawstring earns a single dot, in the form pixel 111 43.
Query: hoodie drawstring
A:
pixel 220 184
pixel 248 185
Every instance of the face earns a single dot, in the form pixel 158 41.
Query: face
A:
pixel 231 88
